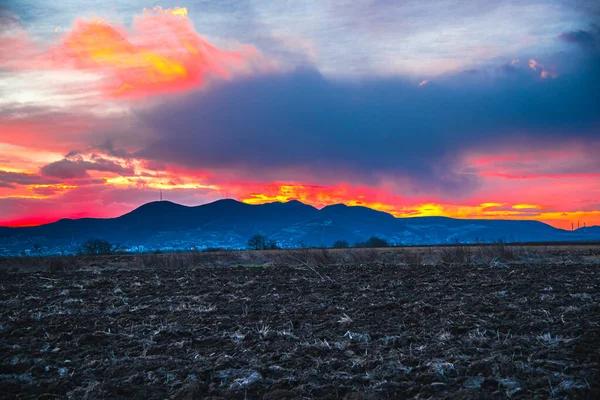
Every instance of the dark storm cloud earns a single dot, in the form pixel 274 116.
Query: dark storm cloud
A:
pixel 78 168
pixel 73 153
pixel 8 179
pixel 579 36
pixel 299 124
pixel 108 148
pixel 590 39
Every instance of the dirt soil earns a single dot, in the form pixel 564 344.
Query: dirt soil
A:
pixel 371 331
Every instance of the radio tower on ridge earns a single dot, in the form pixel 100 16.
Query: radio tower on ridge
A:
pixel 160 189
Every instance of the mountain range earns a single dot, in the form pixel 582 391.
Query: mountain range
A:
pixel 229 224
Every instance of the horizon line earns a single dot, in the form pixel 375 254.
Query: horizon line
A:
pixel 16 225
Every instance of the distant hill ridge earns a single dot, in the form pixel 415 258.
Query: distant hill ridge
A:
pixel 229 223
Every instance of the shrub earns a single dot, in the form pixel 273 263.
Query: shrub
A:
pixel 340 244
pixel 373 242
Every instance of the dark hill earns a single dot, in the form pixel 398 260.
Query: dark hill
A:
pixel 589 230
pixel 229 223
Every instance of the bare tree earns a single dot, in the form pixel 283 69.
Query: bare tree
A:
pixel 260 242
pixel 97 247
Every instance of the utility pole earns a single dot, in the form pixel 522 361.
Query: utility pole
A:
pixel 160 194
pixel 325 223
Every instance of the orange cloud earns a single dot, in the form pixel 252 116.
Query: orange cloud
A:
pixel 383 200
pixel 545 71
pixel 533 64
pixel 525 206
pixel 548 74
pixel 315 195
pixel 77 201
pixel 179 11
pixel 162 53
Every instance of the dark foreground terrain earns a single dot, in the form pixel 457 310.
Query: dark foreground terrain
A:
pixel 364 331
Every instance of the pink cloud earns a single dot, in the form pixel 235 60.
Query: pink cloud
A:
pixel 162 53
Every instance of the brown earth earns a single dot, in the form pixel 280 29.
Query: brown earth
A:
pixel 363 331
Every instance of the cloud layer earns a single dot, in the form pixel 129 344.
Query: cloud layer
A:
pixel 301 125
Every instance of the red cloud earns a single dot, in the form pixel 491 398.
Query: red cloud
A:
pixel 34 203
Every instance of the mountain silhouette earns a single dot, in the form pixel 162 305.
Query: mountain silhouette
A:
pixel 230 223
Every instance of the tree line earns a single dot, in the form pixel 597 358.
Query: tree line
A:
pixel 260 242
pixel 256 242
pixel 373 241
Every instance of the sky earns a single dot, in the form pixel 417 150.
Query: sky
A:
pixel 479 109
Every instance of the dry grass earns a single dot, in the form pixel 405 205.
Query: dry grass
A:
pixel 459 254
pixel 497 254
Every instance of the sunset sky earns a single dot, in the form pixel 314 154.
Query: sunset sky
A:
pixel 478 109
